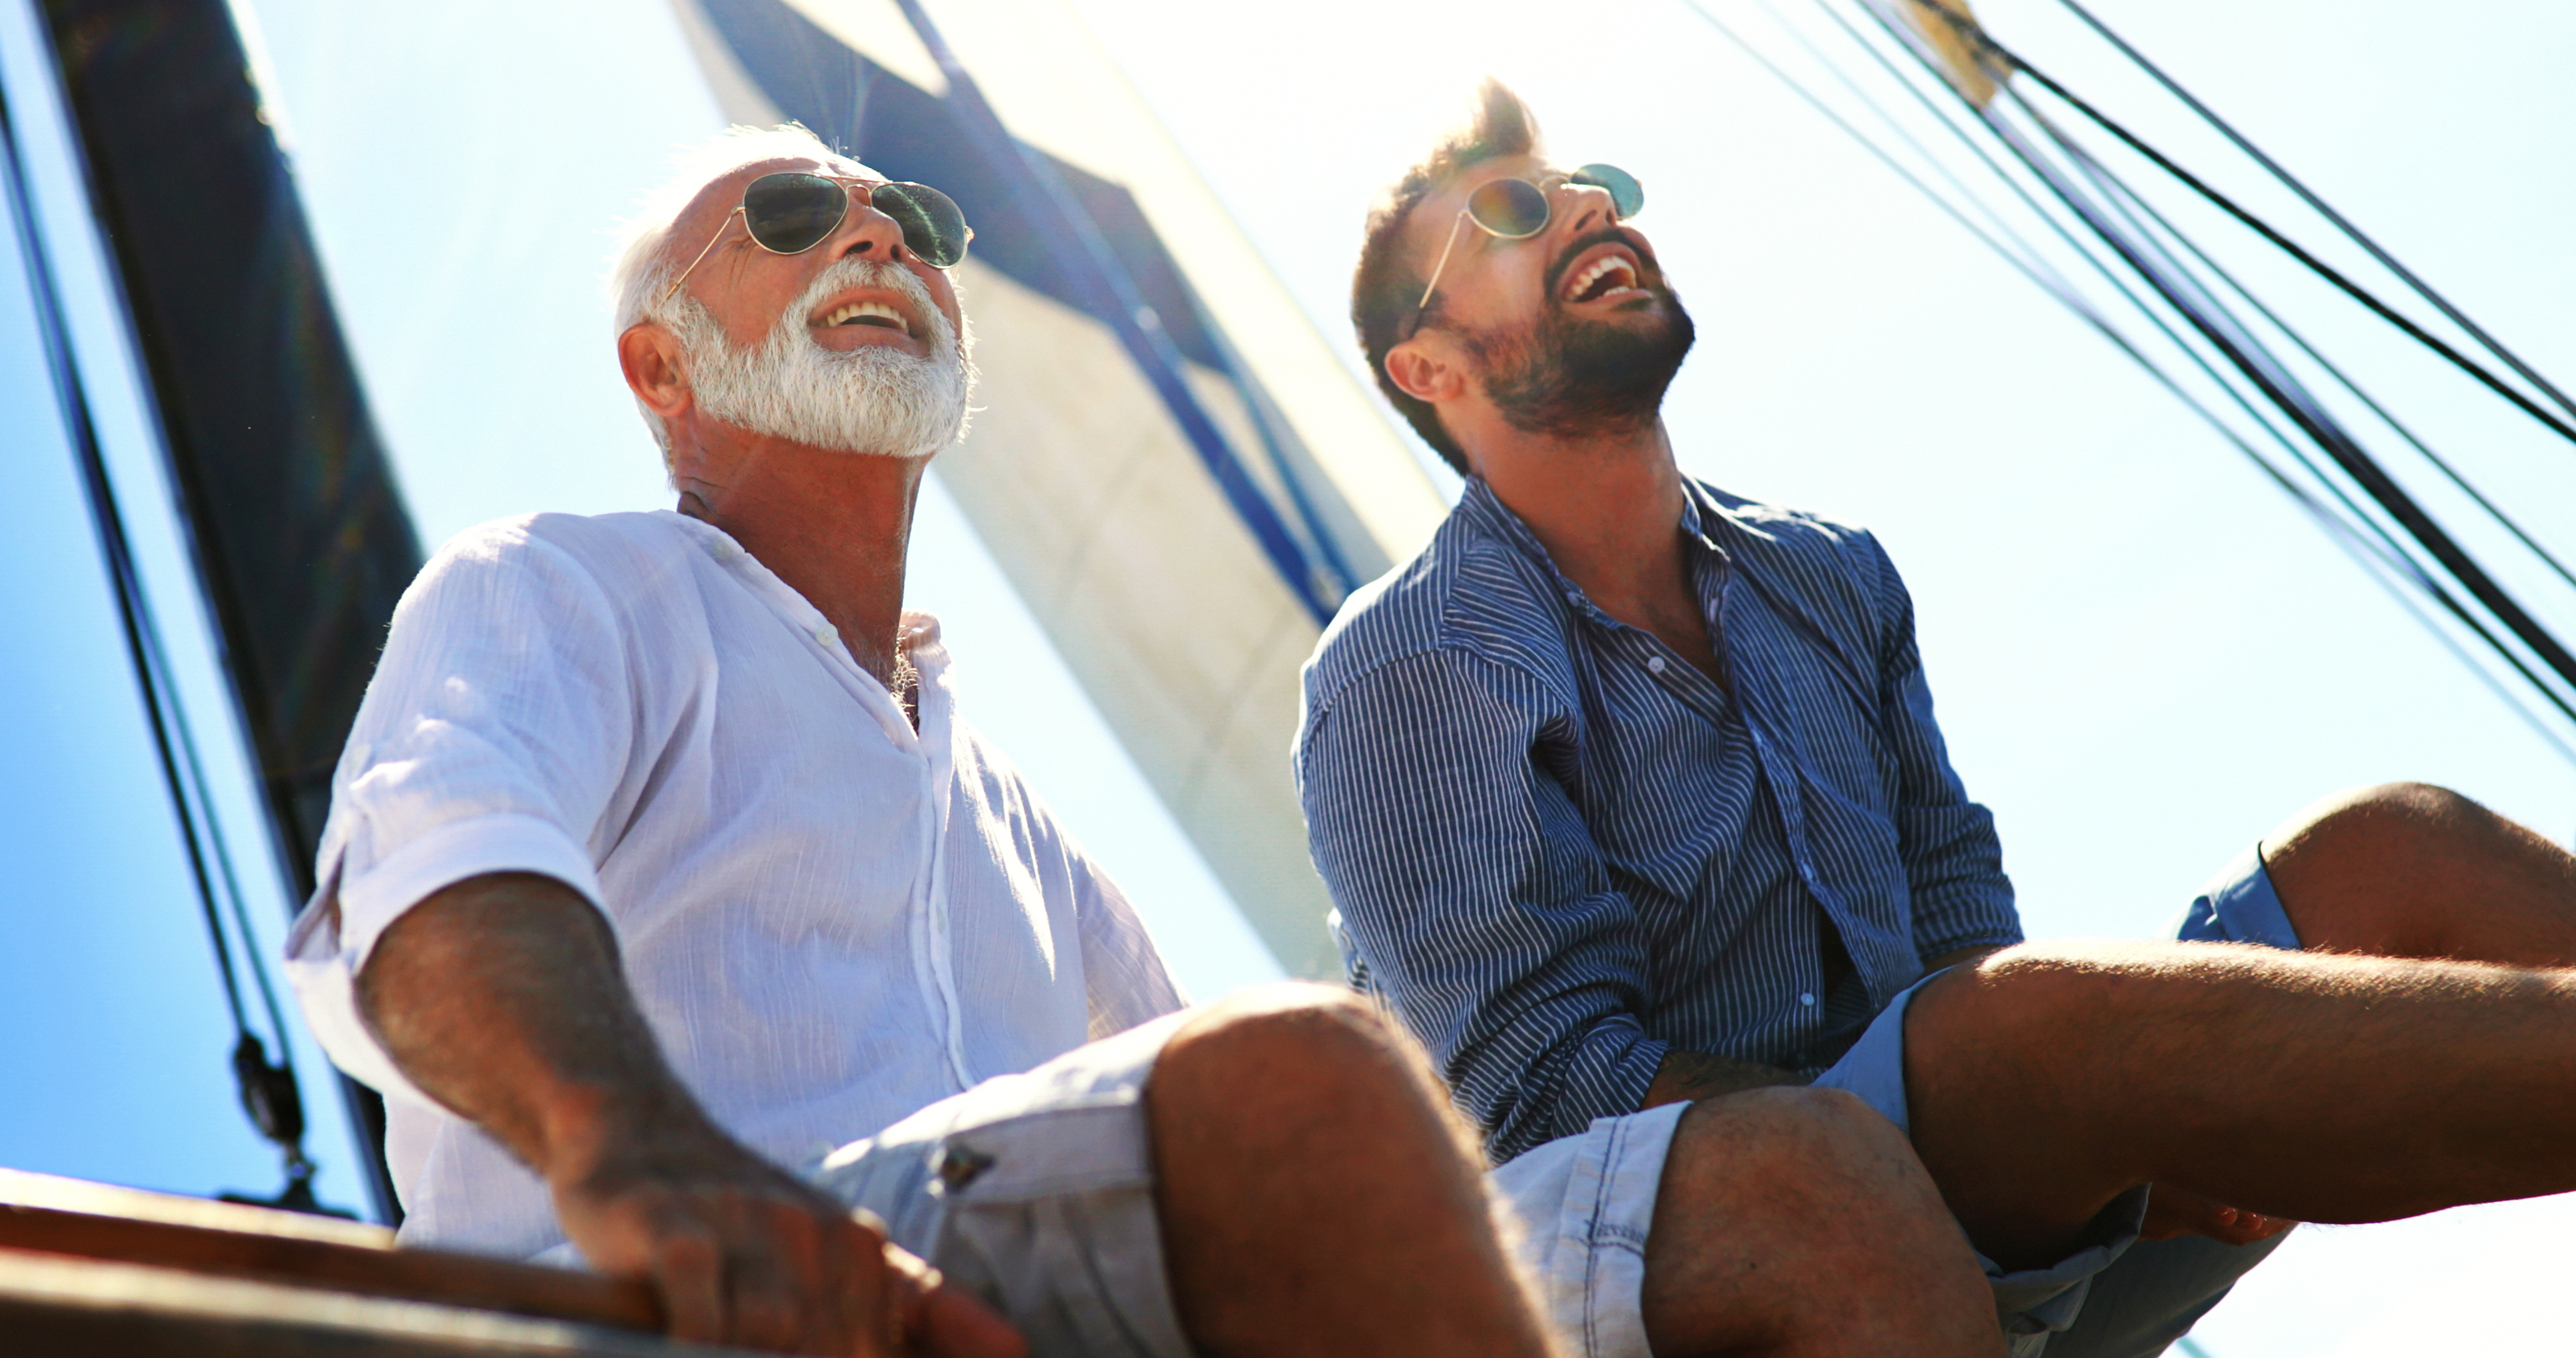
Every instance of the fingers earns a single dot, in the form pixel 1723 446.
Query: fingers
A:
pixel 2236 1226
pixel 745 1255
pixel 2172 1211
pixel 688 1270
pixel 943 1321
pixel 780 1296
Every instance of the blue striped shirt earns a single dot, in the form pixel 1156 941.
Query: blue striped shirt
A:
pixel 1558 849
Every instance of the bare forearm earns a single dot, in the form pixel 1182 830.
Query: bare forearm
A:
pixel 1688 1075
pixel 501 997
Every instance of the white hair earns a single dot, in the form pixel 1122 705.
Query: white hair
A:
pixel 642 261
pixel 641 264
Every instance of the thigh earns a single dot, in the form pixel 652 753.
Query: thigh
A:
pixel 1035 1192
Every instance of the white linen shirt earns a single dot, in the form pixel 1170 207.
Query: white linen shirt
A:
pixel 829 920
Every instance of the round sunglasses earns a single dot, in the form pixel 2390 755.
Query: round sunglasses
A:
pixel 1516 209
pixel 793 211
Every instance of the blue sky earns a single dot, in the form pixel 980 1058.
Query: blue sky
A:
pixel 2144 656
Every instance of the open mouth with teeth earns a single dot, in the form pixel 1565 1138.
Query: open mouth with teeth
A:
pixel 866 313
pixel 1607 276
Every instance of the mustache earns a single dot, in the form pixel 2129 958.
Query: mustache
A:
pixel 853 271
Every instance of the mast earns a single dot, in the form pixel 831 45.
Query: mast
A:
pixel 297 532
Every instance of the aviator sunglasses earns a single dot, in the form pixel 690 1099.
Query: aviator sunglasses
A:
pixel 793 211
pixel 1516 209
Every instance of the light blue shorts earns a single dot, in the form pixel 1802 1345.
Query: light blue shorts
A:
pixel 1588 1200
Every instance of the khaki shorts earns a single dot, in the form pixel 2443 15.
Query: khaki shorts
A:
pixel 1035 1192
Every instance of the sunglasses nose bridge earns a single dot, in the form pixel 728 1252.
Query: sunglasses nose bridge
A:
pixel 863 221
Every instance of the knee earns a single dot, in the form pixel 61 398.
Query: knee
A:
pixel 1814 1172
pixel 2376 822
pixel 1290 1036
pixel 2351 869
pixel 1795 1137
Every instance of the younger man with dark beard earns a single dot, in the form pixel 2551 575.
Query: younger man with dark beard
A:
pixel 1630 793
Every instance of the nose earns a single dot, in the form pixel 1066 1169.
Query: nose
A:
pixel 870 234
pixel 1590 207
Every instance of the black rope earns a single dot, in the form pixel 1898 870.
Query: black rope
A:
pixel 2373 480
pixel 2329 367
pixel 268 1091
pixel 1975 33
pixel 2394 555
pixel 2367 474
pixel 2323 208
pixel 2035 265
pixel 2030 162
pixel 2027 268
pixel 2115 190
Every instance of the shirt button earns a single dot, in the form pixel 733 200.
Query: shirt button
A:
pixel 1574 596
pixel 1655 663
pixel 1806 997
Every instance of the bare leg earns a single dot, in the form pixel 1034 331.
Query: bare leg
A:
pixel 1318 1196
pixel 2313 1086
pixel 1798 1222
pixel 2411 870
pixel 2050 1078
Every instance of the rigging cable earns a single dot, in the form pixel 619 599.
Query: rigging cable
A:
pixel 2140 205
pixel 2085 310
pixel 2378 559
pixel 2029 268
pixel 1976 33
pixel 269 1093
pixel 2323 209
pixel 2294 401
pixel 2276 384
pixel 2123 191
pixel 2303 411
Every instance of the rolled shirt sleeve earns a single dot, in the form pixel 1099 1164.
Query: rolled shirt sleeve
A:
pixel 493 738
pixel 1953 860
pixel 1471 889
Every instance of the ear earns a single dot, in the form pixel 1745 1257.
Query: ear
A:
pixel 650 357
pixel 1426 370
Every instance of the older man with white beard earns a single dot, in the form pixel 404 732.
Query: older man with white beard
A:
pixel 661 858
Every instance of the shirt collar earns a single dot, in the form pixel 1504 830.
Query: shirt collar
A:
pixel 1703 520
pixel 918 633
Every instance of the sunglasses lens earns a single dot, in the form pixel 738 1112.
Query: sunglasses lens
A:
pixel 1513 209
pixel 1627 196
pixel 933 226
pixel 790 213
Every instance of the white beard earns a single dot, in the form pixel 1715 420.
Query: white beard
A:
pixel 874 400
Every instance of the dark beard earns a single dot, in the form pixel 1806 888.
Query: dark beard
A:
pixel 1566 379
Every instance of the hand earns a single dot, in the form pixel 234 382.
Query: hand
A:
pixel 2174 1211
pixel 743 1253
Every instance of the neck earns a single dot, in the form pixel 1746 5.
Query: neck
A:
pixel 1606 507
pixel 834 526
